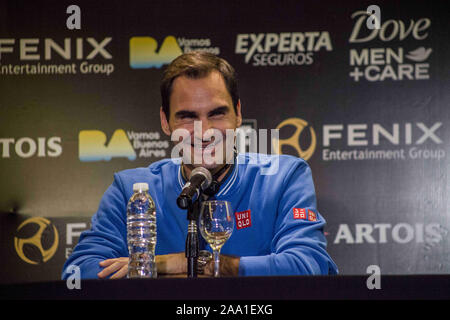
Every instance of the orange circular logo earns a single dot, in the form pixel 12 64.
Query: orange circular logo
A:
pixel 36 240
pixel 294 139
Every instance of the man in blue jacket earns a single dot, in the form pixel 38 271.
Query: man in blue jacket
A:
pixel 278 230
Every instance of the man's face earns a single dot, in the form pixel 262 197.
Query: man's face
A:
pixel 206 105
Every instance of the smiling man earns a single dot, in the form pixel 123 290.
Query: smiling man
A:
pixel 278 230
pixel 200 98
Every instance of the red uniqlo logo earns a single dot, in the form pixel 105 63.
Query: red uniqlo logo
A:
pixel 243 219
pixel 299 213
pixel 312 215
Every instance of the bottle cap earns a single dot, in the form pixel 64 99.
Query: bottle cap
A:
pixel 141 186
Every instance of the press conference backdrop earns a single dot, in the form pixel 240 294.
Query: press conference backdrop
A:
pixel 367 106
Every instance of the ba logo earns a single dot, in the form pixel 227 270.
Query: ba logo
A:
pixel 144 53
pixel 36 240
pixel 92 146
pixel 296 139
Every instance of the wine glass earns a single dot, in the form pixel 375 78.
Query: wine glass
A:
pixel 216 226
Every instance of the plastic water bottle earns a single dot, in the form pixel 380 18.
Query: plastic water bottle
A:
pixel 141 233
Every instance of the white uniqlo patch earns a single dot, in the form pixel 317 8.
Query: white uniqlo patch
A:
pixel 243 219
pixel 299 213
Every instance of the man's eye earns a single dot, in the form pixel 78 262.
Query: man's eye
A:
pixel 217 114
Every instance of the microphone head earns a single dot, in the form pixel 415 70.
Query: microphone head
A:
pixel 204 172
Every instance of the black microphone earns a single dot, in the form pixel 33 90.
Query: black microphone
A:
pixel 200 179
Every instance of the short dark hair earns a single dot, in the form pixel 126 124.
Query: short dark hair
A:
pixel 197 64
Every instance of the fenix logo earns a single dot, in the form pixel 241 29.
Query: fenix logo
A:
pixel 30 49
pixel 34 56
pixel 410 141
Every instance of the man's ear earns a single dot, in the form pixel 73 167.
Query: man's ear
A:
pixel 164 122
pixel 238 114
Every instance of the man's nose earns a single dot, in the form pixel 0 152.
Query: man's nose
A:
pixel 201 126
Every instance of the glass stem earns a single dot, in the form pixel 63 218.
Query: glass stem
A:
pixel 216 263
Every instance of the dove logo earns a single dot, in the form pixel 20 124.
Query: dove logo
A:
pixel 92 146
pixel 419 55
pixel 390 30
pixel 379 63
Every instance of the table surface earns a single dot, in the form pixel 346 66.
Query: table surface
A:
pixel 340 287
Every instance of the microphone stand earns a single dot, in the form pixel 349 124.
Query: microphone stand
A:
pixel 192 243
